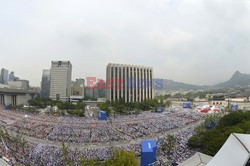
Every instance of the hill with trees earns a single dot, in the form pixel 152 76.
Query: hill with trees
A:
pixel 237 80
pixel 210 141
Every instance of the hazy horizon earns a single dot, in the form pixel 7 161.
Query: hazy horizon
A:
pixel 197 42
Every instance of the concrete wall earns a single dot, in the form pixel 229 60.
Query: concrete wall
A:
pixel 18 99
pixel 23 99
pixel 19 84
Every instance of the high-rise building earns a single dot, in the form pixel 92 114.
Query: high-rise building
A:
pixel 131 83
pixel 100 92
pixel 12 77
pixel 96 91
pixel 89 92
pixel 4 76
pixel 45 84
pixel 60 80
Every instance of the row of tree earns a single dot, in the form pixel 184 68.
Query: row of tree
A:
pixel 43 103
pixel 120 107
pixel 24 109
pixel 69 108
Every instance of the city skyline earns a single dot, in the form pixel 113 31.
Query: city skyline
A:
pixel 197 42
pixel 87 76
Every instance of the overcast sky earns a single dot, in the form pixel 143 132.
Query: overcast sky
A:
pixel 192 41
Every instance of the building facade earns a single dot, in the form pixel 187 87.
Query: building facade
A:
pixel 89 92
pixel 12 77
pixel 77 90
pixel 45 84
pixel 100 91
pixel 131 83
pixel 97 91
pixel 19 84
pixel 15 96
pixel 60 80
pixel 4 76
pixel 218 100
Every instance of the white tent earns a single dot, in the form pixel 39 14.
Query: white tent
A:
pixel 3 162
pixel 199 159
pixel 235 151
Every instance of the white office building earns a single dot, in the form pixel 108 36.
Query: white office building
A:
pixel 135 82
pixel 60 83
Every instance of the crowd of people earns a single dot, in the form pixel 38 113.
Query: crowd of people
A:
pixel 89 130
pixel 50 155
pixel 181 151
pixel 41 154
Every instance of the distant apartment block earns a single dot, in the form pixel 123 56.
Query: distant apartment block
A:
pixel 4 76
pixel 77 90
pixel 97 91
pixel 12 77
pixel 135 82
pixel 100 92
pixel 45 84
pixel 89 92
pixel 60 80
pixel 19 84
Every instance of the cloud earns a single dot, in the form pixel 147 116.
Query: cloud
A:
pixel 192 41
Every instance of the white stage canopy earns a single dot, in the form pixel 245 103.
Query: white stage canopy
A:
pixel 199 159
pixel 235 151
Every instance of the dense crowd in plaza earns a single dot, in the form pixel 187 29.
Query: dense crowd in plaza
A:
pixel 54 156
pixel 181 152
pixel 89 130
pixel 50 155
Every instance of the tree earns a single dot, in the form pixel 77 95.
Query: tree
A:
pixel 169 144
pixel 137 111
pixel 40 102
pixel 119 108
pixel 84 162
pixel 210 141
pixel 80 105
pixel 123 158
pixel 76 112
pixel 105 107
pixel 66 158
pixel 202 95
pixel 168 103
pixel 66 106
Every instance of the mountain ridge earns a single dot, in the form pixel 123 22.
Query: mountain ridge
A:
pixel 238 79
